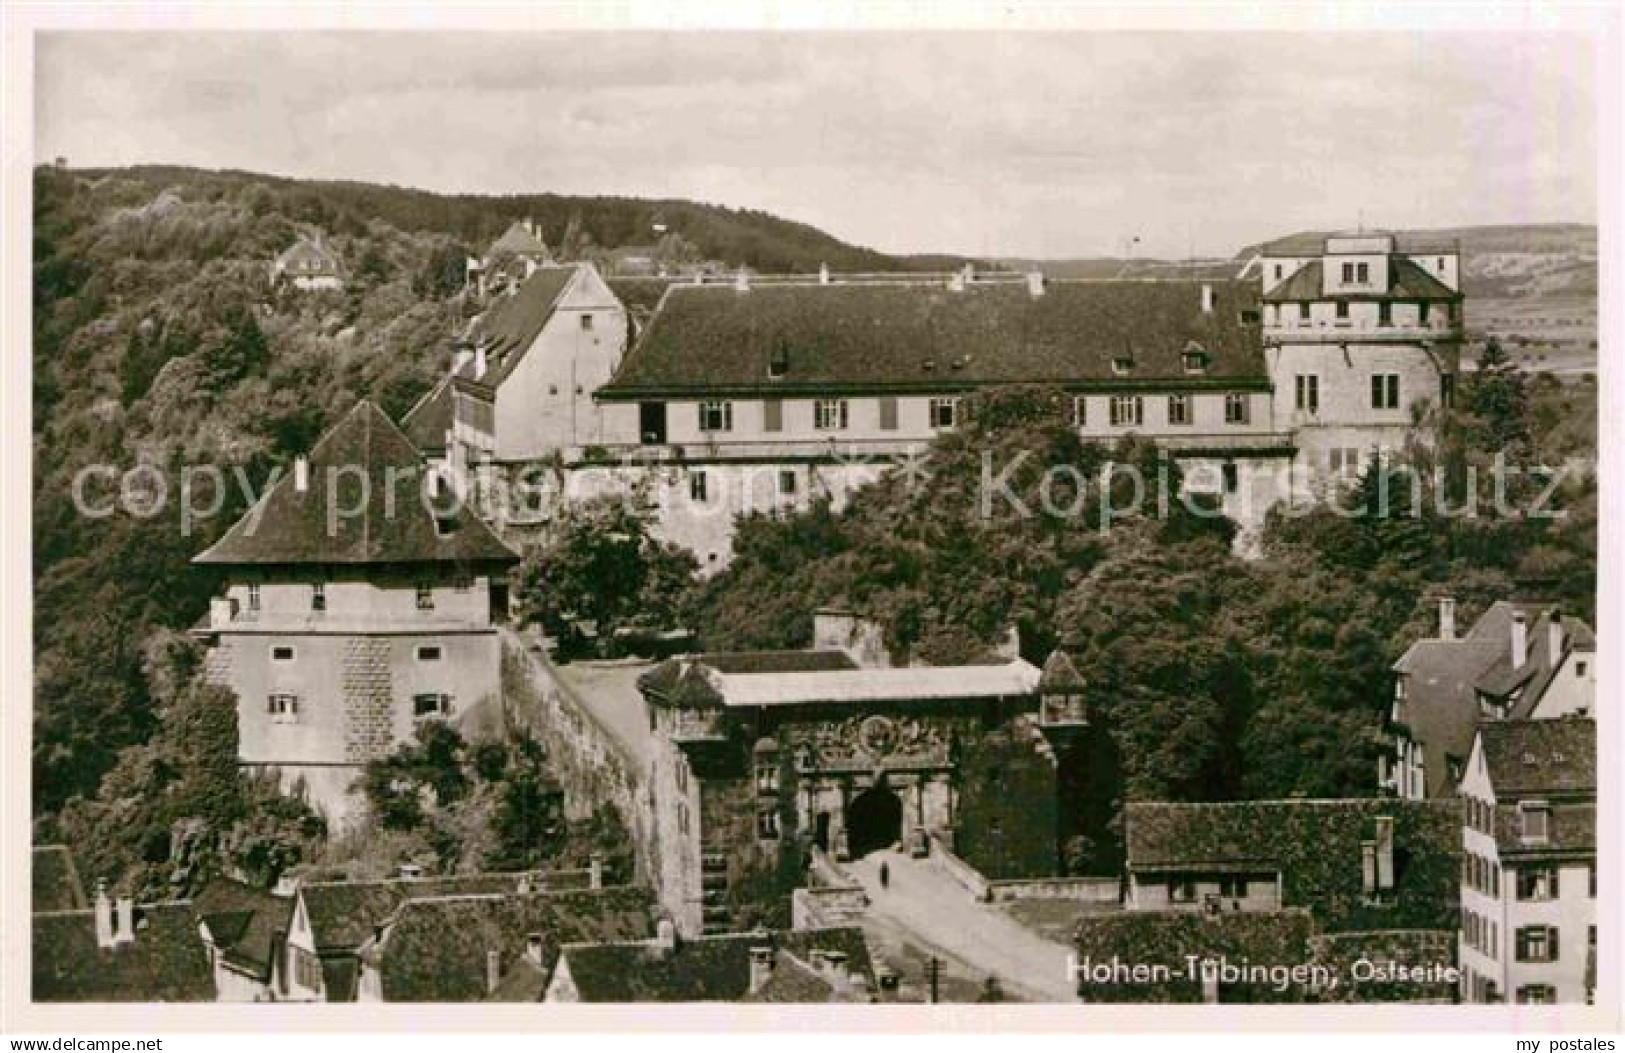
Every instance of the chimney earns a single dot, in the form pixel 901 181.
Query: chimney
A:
pixel 1554 636
pixel 742 281
pixel 104 917
pixel 533 948
pixel 595 871
pixel 1447 617
pixel 530 226
pixel 493 970
pixel 125 932
pixel 530 266
pixel 479 361
pixel 761 966
pixel 301 474
pixel 1520 640
pixel 1207 298
pixel 823 274
pixel 1035 284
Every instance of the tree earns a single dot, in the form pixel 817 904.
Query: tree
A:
pixel 242 351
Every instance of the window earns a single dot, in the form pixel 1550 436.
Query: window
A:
pixel 682 817
pixel 1534 816
pixel 431 705
pixel 830 414
pixel 1385 313
pixel 1536 994
pixel 1122 364
pixel 767 823
pixel 1385 391
pixel 1579 668
pixel 586 323
pixel 697 487
pixel 1233 887
pixel 1348 273
pixel 425 597
pixel 1422 311
pixel 1303 312
pixel 1308 392
pixel 1235 408
pixel 773 415
pixel 767 776
pixel 787 482
pixel 1342 310
pixel 253 597
pixel 1232 477
pixel 318 596
pixel 1278 272
pixel 716 416
pixel 1537 882
pixel 1194 361
pixel 282 653
pixel 1536 943
pixel 778 363
pixel 1080 410
pixel 1127 410
pixel 283 708
pixel 1447 389
pixel 1591 889
pixel 428 654
pixel 1362 273
pixel 888 413
pixel 1181 890
pixel 944 412
pixel 1179 409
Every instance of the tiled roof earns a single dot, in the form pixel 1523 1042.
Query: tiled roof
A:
pixel 1313 243
pixel 706 969
pixel 1315 845
pixel 428 421
pixel 1571 830
pixel 244 923
pixel 1440 707
pixel 1060 675
pixel 516 241
pixel 912 336
pixel 1169 938
pixel 343 914
pixel 512 322
pixel 363 456
pixel 700 685
pixel 1406 281
pixel 663 678
pixel 436 950
pixel 1533 757
pixel 641 295
pixel 55 880
pixel 166 962
pixel 1500 679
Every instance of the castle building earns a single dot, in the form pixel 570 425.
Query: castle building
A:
pixel 1362 330
pixel 308 264
pixel 760 760
pixel 520 388
pixel 1529 874
pixel 354 608
pixel 1519 661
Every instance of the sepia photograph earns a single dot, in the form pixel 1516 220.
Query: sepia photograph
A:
pixel 1081 517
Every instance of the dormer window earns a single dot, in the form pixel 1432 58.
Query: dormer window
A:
pixel 778 363
pixel 1122 364
pixel 1534 819
pixel 425 597
pixel 1194 360
pixel 445 525
pixel 318 596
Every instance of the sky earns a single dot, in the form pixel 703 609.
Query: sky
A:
pixel 991 144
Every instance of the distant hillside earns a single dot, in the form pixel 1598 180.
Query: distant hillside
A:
pixel 733 236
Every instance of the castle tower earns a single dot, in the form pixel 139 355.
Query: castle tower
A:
pixel 1362 331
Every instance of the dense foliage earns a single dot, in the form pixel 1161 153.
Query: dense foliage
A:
pixel 1216 676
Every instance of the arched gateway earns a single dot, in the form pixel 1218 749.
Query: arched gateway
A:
pixel 874 820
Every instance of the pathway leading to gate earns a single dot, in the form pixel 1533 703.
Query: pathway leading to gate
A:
pixel 923 898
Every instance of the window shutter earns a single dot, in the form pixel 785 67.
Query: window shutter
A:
pixel 888 413
pixel 1551 943
pixel 1555 872
pixel 773 415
